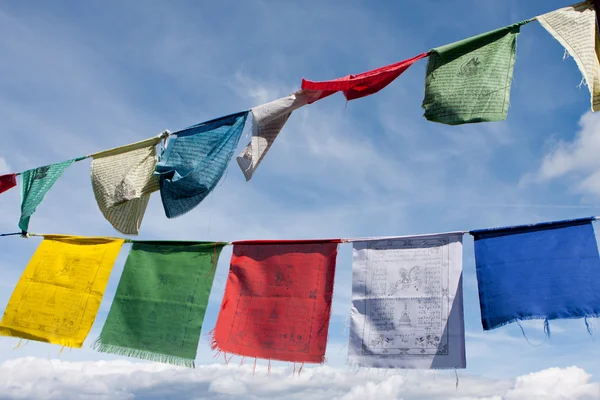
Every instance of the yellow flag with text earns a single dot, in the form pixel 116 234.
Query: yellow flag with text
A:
pixel 58 296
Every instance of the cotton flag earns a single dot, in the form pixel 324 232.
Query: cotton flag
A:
pixel 58 295
pixel 35 183
pixel 195 160
pixel 575 28
pixel 469 81
pixel 123 179
pixel 277 300
pixel 8 181
pixel 267 121
pixel 407 303
pixel 160 302
pixel 545 271
pixel 364 84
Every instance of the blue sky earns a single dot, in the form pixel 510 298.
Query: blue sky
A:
pixel 79 77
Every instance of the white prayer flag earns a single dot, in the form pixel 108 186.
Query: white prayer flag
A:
pixel 575 28
pixel 267 121
pixel 123 179
pixel 407 303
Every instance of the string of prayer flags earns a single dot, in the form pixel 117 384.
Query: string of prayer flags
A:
pixel 35 183
pixel 58 296
pixel 195 160
pixel 364 84
pixel 575 28
pixel 7 181
pixel 545 271
pixel 277 300
pixel 407 303
pixel 161 299
pixel 469 81
pixel 123 179
pixel 267 121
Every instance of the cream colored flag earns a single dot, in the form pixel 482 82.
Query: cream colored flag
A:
pixel 123 179
pixel 575 28
pixel 267 121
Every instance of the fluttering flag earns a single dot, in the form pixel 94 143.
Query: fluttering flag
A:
pixel 58 295
pixel 161 299
pixel 35 183
pixel 123 179
pixel 195 160
pixel 544 271
pixel 575 28
pixel 267 121
pixel 7 181
pixel 277 300
pixel 407 303
pixel 469 81
pixel 361 85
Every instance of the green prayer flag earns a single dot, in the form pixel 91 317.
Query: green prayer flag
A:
pixel 469 81
pixel 159 307
pixel 35 183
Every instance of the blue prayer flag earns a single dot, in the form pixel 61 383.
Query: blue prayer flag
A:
pixel 195 160
pixel 545 271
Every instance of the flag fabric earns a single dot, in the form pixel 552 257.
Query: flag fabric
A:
pixel 35 183
pixel 575 28
pixel 407 303
pixel 7 181
pixel 267 121
pixel 277 300
pixel 58 295
pixel 195 160
pixel 161 299
pixel 123 179
pixel 544 271
pixel 364 84
pixel 469 81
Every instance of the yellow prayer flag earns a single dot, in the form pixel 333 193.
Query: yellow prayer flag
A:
pixel 58 296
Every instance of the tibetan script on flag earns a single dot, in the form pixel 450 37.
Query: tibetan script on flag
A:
pixel 469 81
pixel 277 301
pixel 407 309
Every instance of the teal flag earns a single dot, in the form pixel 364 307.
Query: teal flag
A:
pixel 161 299
pixel 35 183
pixel 469 81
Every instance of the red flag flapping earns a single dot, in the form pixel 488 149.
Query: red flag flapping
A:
pixel 7 182
pixel 361 85
pixel 277 300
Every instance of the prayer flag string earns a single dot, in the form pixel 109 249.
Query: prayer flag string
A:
pixel 342 240
pixel 365 88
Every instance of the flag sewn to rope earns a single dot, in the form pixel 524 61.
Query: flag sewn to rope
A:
pixel 364 84
pixel 542 271
pixel 161 300
pixel 58 295
pixel 123 179
pixel 277 300
pixel 407 305
pixel 195 160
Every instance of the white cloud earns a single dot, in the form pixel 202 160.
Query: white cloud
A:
pixel 43 379
pixel 577 158
pixel 555 383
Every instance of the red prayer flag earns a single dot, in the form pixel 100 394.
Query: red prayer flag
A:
pixel 7 182
pixel 361 85
pixel 277 300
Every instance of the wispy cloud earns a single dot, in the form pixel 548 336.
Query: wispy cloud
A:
pixel 576 159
